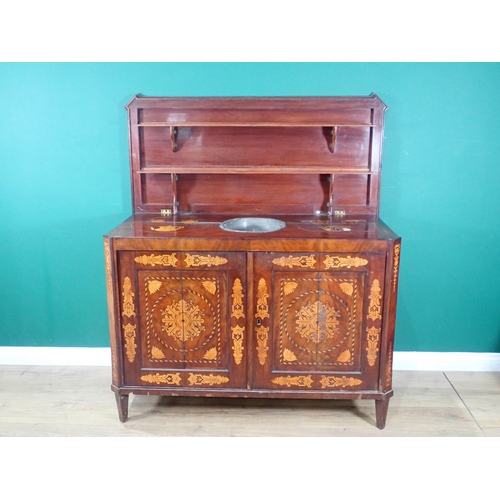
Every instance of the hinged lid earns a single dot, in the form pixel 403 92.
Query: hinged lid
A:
pixel 248 155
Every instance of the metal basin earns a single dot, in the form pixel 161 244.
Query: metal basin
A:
pixel 252 225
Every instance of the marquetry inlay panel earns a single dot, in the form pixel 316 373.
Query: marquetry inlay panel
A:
pixel 289 355
pixel 129 329
pixel 128 298
pixel 111 317
pixel 397 250
pixel 335 262
pixel 129 334
pixel 335 382
pixel 374 309
pixel 183 320
pixel 198 379
pixel 237 315
pixel 318 321
pixel 388 375
pixel 183 317
pixel 204 260
pixel 211 354
pixel 167 229
pixel 373 340
pixel 262 344
pixel 295 261
pixel 169 378
pixel 298 381
pixel 237 333
pixel 237 310
pixel 157 260
pixel 289 287
pixel 262 296
pixel 374 314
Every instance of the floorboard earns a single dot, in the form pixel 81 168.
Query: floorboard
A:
pixel 58 401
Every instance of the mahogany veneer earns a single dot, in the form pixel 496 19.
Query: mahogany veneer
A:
pixel 304 312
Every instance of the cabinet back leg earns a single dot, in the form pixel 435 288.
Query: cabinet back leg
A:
pixel 122 404
pixel 381 407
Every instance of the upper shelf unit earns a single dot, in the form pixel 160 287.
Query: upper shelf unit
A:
pixel 251 135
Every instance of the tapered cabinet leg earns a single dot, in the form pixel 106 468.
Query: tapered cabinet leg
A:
pixel 122 404
pixel 381 407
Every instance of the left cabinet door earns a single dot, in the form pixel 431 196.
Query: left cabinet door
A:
pixel 182 318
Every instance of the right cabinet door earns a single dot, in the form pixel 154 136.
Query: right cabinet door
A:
pixel 317 321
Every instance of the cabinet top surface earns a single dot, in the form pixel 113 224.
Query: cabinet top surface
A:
pixel 297 228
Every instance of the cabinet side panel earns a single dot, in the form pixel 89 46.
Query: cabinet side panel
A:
pixel 112 310
pixel 391 285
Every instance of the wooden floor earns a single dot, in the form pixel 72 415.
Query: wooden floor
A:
pixel 77 401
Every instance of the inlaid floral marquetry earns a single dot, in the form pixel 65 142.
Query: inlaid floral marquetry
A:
pixel 335 262
pixel 374 309
pixel 298 381
pixel 289 356
pixel 347 288
pixel 209 286
pixel 237 312
pixel 157 260
pixel 129 333
pixel 344 381
pixel 317 322
pixel 397 250
pixel 198 379
pixel 157 353
pixel 204 260
pixel 211 354
pixel 109 292
pixel 237 333
pixel 183 320
pixel 167 229
pixel 299 261
pixel 262 296
pixel 262 340
pixel 128 298
pixel 336 229
pixel 237 296
pixel 289 287
pixel 344 357
pixel 388 376
pixel 372 349
pixel 168 378
pixel 154 286
pixel 129 330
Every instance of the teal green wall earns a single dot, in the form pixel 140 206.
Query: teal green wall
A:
pixel 64 183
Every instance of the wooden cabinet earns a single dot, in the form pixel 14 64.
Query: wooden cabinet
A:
pixel 307 311
pixel 323 328
pixel 179 313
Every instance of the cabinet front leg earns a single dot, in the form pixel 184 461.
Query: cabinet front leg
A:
pixel 122 404
pixel 381 407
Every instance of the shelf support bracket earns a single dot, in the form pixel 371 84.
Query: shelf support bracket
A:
pixel 173 138
pixel 331 145
pixel 175 203
pixel 330 196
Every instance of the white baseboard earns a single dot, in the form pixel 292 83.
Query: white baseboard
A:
pixel 101 356
pixel 448 361
pixel 71 356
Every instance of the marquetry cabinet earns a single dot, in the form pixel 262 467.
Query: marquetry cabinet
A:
pixel 325 321
pixel 302 310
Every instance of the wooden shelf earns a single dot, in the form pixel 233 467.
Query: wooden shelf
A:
pixel 250 124
pixel 266 169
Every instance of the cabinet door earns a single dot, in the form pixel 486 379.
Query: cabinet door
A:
pixel 318 320
pixel 183 319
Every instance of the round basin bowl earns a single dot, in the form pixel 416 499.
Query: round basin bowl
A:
pixel 252 225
